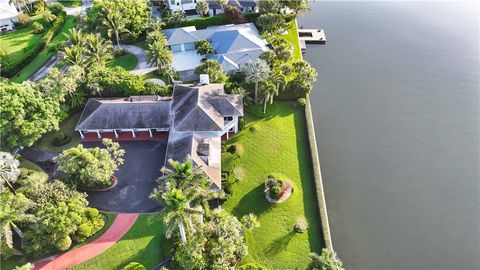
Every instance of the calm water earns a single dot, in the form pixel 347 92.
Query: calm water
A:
pixel 397 117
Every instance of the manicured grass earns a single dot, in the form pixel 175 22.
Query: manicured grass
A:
pixel 71 3
pixel 144 243
pixel 14 42
pixel 67 127
pixel 27 164
pixel 141 44
pixel 44 55
pixel 292 37
pixel 127 61
pixel 276 143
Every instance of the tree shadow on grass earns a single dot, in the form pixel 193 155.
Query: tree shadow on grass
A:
pixel 253 202
pixel 279 244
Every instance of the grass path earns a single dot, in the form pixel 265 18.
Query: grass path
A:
pixel 44 55
pixel 277 143
pixel 127 61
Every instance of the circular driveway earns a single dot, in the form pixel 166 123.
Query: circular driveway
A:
pixel 136 178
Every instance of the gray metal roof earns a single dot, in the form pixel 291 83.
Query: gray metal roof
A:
pixel 228 105
pixel 235 3
pixel 121 113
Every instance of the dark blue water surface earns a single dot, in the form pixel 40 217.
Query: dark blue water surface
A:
pixel 396 109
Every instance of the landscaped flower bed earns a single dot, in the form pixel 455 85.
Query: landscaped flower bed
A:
pixel 277 188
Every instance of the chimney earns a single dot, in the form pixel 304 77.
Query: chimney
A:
pixel 204 79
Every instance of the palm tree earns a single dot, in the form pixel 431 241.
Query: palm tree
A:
pixel 13 208
pixel 202 7
pixel 98 48
pixel 305 72
pixel 114 20
pixel 269 90
pixel 74 55
pixel 279 80
pixel 249 222
pixel 159 55
pixel 9 171
pixel 77 37
pixel 256 71
pixel 49 16
pixel 175 207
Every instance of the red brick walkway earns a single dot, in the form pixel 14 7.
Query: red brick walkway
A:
pixel 121 225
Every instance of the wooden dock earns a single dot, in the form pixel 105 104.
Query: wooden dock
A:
pixel 311 36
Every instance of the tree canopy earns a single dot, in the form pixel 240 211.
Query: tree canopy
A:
pixel 214 71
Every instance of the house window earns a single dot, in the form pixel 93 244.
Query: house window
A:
pixel 228 118
pixel 176 48
pixel 189 46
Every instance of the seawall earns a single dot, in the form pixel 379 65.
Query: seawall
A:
pixel 317 172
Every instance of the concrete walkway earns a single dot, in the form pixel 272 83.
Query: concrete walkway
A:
pixel 119 228
pixel 142 67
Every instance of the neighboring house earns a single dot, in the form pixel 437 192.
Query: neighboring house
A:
pixel 8 16
pixel 194 120
pixel 234 45
pixel 189 6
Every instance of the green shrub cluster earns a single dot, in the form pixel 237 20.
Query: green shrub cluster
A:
pixel 134 266
pixel 252 266
pixel 202 23
pixel 9 69
pixel 275 183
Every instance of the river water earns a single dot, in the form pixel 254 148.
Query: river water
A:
pixel 396 109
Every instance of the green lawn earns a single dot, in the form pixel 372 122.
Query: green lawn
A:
pixel 276 143
pixel 67 127
pixel 143 243
pixel 14 42
pixel 127 61
pixel 70 3
pixel 44 55
pixel 292 37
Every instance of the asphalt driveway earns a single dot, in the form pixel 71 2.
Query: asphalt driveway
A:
pixel 136 178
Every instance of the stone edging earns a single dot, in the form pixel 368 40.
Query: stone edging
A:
pixel 317 173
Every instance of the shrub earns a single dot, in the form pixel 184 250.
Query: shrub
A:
pixel 61 139
pixel 301 101
pixel 152 88
pixel 37 28
pixel 134 266
pixel 129 38
pixel 301 225
pixel 119 52
pixel 23 19
pixel 113 82
pixel 252 266
pixel 83 232
pixel 91 212
pixel 241 122
pixel 275 184
pixel 63 243
pixel 55 8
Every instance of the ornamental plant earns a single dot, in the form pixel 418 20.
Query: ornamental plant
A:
pixel 91 167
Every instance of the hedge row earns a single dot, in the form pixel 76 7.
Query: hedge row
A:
pixel 317 174
pixel 202 23
pixel 9 69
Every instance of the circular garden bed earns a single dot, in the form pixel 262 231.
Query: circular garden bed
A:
pixel 278 188
pixel 112 185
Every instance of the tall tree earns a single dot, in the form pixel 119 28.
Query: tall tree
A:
pixel 202 7
pixel 269 6
pixel 77 37
pixel 268 90
pixel 49 16
pixel 99 49
pixel 9 171
pixel 159 55
pixel 279 79
pixel 204 47
pixel 74 55
pixel 249 222
pixel 114 20
pixel 270 22
pixel 256 71
pixel 13 209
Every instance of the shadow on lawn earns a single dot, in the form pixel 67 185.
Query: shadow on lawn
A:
pixel 312 212
pixel 253 202
pixel 279 244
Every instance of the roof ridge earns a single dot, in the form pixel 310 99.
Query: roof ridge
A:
pixel 209 114
pixel 96 109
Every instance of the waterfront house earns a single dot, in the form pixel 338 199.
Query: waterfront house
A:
pixel 189 6
pixel 194 121
pixel 234 45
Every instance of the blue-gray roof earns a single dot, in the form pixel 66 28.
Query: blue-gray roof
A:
pixel 234 45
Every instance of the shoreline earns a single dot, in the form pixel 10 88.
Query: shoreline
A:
pixel 317 172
